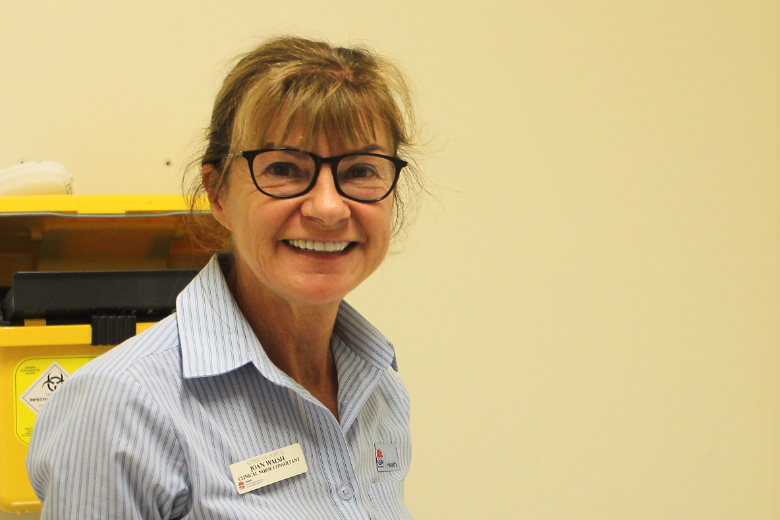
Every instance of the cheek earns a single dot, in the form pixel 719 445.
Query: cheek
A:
pixel 382 225
pixel 242 224
pixel 390 214
pixel 260 221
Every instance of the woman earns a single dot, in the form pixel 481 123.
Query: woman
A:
pixel 265 395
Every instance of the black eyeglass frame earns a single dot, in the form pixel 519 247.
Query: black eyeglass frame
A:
pixel 334 161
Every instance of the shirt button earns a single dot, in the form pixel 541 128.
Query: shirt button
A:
pixel 345 492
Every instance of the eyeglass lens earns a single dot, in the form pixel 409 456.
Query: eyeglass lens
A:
pixel 286 173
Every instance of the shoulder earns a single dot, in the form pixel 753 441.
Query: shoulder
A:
pixel 122 375
pixel 108 403
pixel 105 426
pixel 158 341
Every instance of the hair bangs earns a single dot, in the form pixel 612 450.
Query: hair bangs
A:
pixel 325 104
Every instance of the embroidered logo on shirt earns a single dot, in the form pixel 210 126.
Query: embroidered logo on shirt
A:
pixel 386 457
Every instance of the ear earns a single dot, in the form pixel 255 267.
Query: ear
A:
pixel 215 196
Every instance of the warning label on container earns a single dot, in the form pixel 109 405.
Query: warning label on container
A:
pixel 40 391
pixel 35 380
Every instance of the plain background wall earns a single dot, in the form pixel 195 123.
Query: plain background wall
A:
pixel 586 315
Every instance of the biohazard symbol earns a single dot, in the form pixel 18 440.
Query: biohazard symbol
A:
pixel 53 381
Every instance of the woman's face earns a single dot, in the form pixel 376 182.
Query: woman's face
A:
pixel 273 237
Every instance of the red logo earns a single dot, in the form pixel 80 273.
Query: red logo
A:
pixel 379 454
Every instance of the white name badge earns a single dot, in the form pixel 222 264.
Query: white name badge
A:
pixel 268 468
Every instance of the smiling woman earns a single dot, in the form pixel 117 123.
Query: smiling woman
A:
pixel 266 232
pixel 265 395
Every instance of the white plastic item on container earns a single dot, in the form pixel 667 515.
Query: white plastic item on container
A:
pixel 36 178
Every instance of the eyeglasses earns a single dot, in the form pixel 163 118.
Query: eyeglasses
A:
pixel 284 173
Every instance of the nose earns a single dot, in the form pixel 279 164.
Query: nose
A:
pixel 323 203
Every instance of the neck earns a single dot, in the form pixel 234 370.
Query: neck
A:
pixel 295 337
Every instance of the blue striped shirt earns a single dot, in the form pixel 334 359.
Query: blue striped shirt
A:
pixel 149 430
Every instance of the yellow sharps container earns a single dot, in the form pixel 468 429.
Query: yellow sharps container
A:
pixel 65 264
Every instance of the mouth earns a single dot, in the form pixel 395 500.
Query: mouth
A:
pixel 319 247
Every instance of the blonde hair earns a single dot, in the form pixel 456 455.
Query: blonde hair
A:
pixel 289 81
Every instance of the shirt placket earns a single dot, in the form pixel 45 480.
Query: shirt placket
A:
pixel 338 465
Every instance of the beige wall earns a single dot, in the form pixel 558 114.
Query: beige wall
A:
pixel 586 317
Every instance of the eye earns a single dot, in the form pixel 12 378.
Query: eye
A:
pixel 358 171
pixel 283 170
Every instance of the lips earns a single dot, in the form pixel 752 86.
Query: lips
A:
pixel 319 247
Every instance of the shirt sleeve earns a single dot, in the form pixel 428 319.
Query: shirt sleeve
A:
pixel 102 448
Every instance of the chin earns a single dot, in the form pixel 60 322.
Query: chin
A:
pixel 318 294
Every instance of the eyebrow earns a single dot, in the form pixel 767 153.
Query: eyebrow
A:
pixel 365 149
pixel 371 148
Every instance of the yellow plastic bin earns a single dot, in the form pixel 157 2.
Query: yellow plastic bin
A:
pixel 69 233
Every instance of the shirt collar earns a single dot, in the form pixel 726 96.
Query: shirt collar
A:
pixel 216 338
pixel 363 338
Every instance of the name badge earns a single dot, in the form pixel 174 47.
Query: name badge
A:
pixel 268 468
pixel 386 457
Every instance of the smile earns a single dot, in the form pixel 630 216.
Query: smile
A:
pixel 320 247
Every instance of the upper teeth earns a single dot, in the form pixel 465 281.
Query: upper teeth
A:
pixel 313 245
